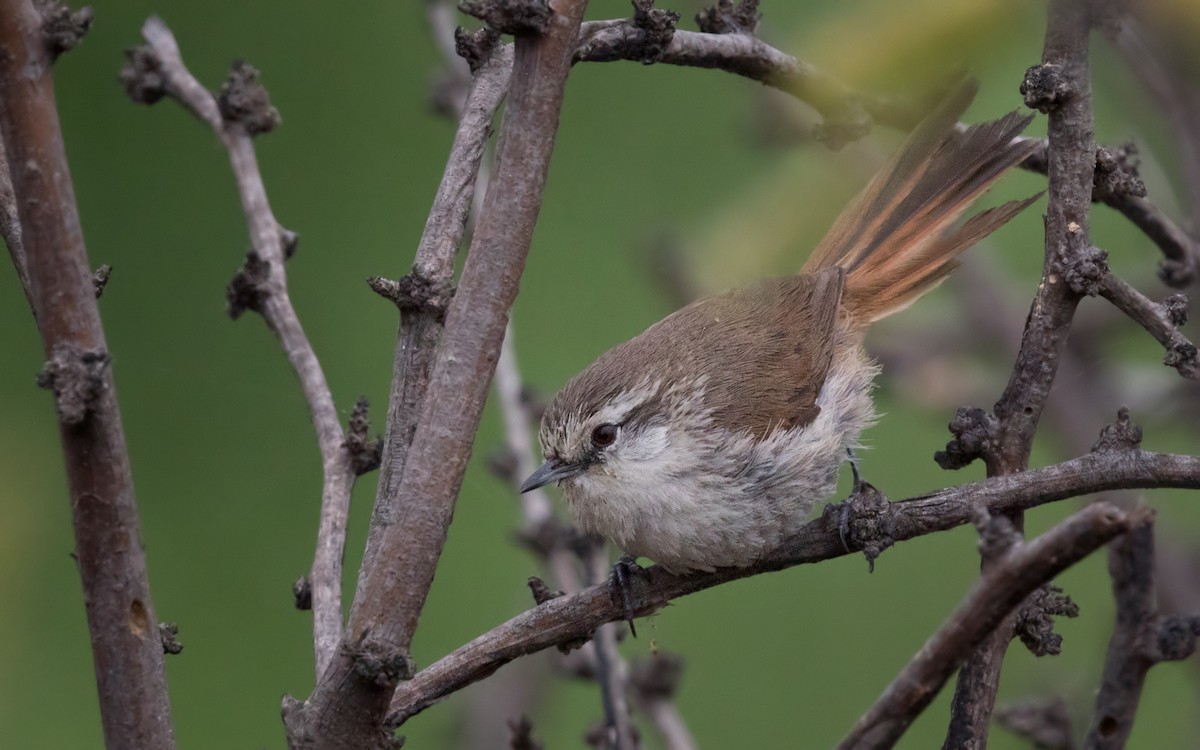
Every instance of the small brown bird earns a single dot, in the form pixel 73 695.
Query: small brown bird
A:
pixel 705 441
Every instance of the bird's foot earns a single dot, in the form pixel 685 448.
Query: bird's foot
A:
pixel 621 581
pixel 860 488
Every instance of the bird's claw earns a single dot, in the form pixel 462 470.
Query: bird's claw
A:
pixel 621 581
pixel 860 485
pixel 844 524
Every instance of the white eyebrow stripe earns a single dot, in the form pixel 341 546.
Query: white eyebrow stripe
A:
pixel 615 411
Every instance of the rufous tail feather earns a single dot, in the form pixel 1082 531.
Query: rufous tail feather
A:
pixel 899 237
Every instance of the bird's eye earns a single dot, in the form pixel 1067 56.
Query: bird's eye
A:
pixel 604 435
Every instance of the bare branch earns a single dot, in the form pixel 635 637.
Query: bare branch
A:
pixel 1003 586
pixel 1161 321
pixel 10 231
pixel 347 707
pixel 654 682
pixel 127 651
pixel 610 669
pixel 848 114
pixel 1044 722
pixel 1061 87
pixel 568 618
pixel 236 116
pixel 422 315
pixel 1140 639
pixel 1180 102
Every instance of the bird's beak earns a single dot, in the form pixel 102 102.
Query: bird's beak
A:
pixel 551 471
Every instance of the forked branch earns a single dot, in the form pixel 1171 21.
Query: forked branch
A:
pixel 236 116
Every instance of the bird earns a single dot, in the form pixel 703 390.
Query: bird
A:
pixel 705 441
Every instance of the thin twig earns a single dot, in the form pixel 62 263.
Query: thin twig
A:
pixel 1001 588
pixel 611 670
pixel 270 244
pixel 848 114
pixel 1179 100
pixel 127 650
pixel 569 618
pixel 10 230
pixel 1160 321
pixel 654 682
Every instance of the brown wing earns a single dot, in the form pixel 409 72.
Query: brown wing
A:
pixel 774 383
pixel 765 349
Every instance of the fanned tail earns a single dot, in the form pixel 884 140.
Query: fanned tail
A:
pixel 898 238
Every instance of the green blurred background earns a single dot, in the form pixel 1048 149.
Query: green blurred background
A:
pixel 225 461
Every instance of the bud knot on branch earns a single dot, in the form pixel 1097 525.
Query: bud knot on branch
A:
pixel 1177 272
pixel 1122 435
pixel 1046 87
pixel 62 29
pixel 169 633
pixel 1184 357
pixel 248 289
pixel 645 38
pixel 1035 621
pixel 102 274
pixel 514 17
pixel 1176 308
pixel 973 431
pixel 142 77
pixel 302 593
pixel 244 100
pixel 379 665
pixel 415 292
pixel 541 591
pixel 520 735
pixel 1117 174
pixel 727 18
pixel 1085 271
pixel 1043 721
pixel 76 376
pixel 365 453
pixel 1175 637
pixel 657 27
pixel 475 47
pixel 657 677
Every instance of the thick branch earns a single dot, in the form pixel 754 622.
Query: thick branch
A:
pixel 266 279
pixel 569 618
pixel 1001 588
pixel 127 652
pixel 348 705
pixel 1131 565
pixel 421 317
pixel 1141 638
pixel 1060 86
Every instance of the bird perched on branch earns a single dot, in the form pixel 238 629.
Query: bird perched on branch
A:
pixel 704 441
